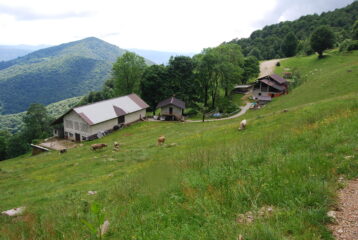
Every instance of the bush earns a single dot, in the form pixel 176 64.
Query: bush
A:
pixel 353 45
pixel 348 45
pixel 344 45
pixel 225 105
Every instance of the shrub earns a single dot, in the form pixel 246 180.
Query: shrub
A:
pixel 348 45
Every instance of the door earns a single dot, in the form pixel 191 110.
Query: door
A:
pixel 78 137
pixel 170 110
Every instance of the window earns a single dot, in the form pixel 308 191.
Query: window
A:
pixel 83 138
pixel 77 126
pixel 70 134
pixel 68 124
pixel 84 127
pixel 121 119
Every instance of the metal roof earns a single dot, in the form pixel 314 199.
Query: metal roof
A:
pixel 172 100
pixel 108 109
pixel 275 77
pixel 273 84
pixel 243 86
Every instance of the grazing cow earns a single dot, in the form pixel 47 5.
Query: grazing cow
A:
pixel 63 150
pixel 243 124
pixel 98 146
pixel 161 140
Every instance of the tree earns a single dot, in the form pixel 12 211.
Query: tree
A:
pixel 203 71
pixel 154 85
pixel 181 77
pixel 127 73
pixel 37 122
pixel 4 137
pixel 355 31
pixel 289 45
pixel 17 145
pixel 255 52
pixel 230 66
pixel 251 69
pixel 322 38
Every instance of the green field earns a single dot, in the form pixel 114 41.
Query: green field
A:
pixel 209 180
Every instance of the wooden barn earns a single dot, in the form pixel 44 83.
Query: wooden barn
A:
pixel 94 120
pixel 270 86
pixel 172 109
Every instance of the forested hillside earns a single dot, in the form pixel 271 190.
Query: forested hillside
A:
pixel 56 73
pixel 269 42
pixel 12 123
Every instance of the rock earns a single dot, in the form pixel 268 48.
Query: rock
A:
pixel 348 157
pixel 332 215
pixel 104 227
pixel 92 192
pixel 14 212
pixel 340 230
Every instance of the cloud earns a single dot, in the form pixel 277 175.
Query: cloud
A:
pixel 288 10
pixel 27 14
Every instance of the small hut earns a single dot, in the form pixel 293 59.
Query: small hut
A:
pixel 172 109
pixel 272 85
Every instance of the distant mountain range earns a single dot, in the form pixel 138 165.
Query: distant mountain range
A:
pixel 56 73
pixel 11 52
pixel 158 57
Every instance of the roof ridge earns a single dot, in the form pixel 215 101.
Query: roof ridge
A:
pixel 105 100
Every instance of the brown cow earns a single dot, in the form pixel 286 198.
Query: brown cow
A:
pixel 161 140
pixel 98 146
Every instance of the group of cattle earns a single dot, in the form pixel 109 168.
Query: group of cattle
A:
pixel 161 140
pixel 97 146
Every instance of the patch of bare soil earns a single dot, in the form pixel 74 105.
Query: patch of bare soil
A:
pixel 346 218
pixel 58 144
pixel 268 67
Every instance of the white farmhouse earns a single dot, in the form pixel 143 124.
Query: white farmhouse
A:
pixel 89 121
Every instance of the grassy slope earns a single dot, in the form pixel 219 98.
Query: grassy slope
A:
pixel 198 188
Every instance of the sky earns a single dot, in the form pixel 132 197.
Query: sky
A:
pixel 163 25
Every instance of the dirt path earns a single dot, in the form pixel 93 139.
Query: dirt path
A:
pixel 242 112
pixel 268 67
pixel 346 227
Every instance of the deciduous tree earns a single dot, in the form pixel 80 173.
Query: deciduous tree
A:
pixel 289 45
pixel 154 85
pixel 322 38
pixel 37 122
pixel 127 73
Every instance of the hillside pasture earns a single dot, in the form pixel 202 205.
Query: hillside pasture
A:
pixel 275 180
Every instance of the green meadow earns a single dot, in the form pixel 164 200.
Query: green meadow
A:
pixel 275 180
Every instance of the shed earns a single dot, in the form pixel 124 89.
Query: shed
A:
pixel 90 121
pixel 271 85
pixel 172 108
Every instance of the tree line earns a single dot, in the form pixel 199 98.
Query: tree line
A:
pixel 290 38
pixel 203 80
pixel 36 126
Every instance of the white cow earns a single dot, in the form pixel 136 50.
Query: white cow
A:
pixel 243 124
